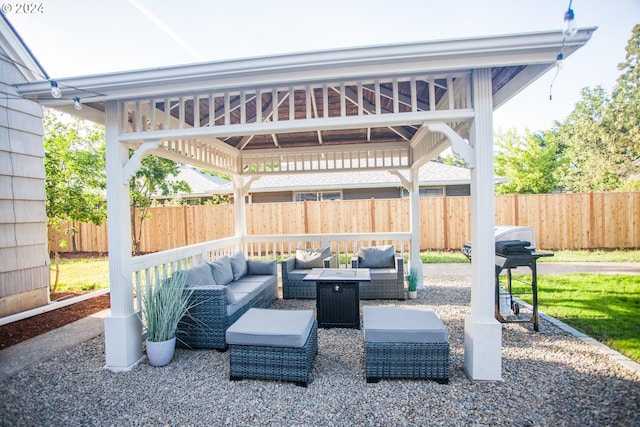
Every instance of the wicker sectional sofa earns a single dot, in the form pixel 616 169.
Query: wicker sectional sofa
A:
pixel 223 291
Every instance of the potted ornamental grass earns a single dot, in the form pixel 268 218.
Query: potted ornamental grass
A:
pixel 412 283
pixel 163 306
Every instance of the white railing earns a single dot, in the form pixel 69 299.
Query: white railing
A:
pixel 147 269
pixel 342 244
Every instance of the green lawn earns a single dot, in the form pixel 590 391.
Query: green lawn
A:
pixel 82 274
pixel 558 256
pixel 592 256
pixel 605 307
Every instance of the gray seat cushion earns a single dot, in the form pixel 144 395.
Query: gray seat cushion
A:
pixel 418 324
pixel 297 274
pixel 383 274
pixel 274 328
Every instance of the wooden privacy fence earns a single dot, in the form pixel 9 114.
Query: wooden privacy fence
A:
pixel 561 221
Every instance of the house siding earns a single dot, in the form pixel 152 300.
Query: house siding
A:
pixel 24 255
pixel 369 193
pixel 458 190
pixel 272 197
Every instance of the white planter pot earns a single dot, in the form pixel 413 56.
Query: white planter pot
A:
pixel 412 294
pixel 161 353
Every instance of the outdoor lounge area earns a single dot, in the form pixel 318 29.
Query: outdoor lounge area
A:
pixel 549 378
pixel 385 108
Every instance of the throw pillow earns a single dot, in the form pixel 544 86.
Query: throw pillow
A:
pixel 377 257
pixel 222 271
pixel 311 258
pixel 238 265
pixel 262 267
pixel 200 275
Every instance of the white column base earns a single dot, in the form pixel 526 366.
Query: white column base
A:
pixel 483 349
pixel 419 266
pixel 123 342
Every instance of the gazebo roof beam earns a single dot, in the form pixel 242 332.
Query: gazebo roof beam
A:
pixel 302 125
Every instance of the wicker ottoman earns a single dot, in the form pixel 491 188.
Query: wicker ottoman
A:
pixel 273 344
pixel 405 342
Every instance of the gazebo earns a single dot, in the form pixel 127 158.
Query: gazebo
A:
pixel 391 107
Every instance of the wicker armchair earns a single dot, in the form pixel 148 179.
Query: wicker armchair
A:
pixel 294 269
pixel 387 273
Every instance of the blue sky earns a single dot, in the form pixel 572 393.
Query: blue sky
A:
pixel 73 38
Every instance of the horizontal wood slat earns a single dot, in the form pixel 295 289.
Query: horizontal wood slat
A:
pixel 561 221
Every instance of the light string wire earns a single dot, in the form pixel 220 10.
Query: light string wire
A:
pixel 559 60
pixel 93 94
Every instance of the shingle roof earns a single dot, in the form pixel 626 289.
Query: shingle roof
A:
pixel 431 174
pixel 201 184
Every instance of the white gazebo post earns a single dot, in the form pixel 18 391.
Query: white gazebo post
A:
pixel 240 190
pixel 414 218
pixel 482 332
pixel 122 328
pixel 412 185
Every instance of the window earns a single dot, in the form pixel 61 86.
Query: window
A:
pixel 427 192
pixel 317 196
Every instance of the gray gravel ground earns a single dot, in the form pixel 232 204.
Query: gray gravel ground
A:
pixel 550 379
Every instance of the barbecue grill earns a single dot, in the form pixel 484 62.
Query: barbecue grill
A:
pixel 514 247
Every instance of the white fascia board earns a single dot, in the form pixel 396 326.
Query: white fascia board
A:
pixel 331 65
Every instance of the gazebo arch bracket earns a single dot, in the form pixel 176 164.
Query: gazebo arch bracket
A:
pixel 459 145
pixel 133 165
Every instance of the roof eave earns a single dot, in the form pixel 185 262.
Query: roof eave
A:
pixel 431 56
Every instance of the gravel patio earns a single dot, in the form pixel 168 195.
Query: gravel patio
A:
pixel 550 378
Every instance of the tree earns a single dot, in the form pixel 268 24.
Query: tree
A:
pixel 75 175
pixel 602 133
pixel 533 163
pixel 149 180
pixel 625 109
pixel 452 159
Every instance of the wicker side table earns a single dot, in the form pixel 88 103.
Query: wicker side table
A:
pixel 405 342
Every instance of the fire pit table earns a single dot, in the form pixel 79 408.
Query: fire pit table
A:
pixel 338 296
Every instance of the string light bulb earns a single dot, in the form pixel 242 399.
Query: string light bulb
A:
pixel 559 60
pixel 569 29
pixel 76 103
pixel 55 90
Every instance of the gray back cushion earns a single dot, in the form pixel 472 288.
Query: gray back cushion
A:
pixel 262 267
pixel 377 257
pixel 238 265
pixel 222 271
pixel 200 275
pixel 311 258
